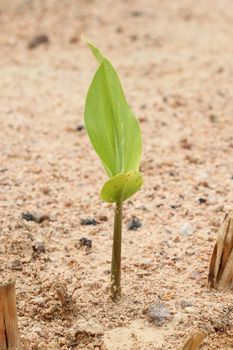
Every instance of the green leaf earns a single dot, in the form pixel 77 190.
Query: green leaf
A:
pixel 121 187
pixel 96 52
pixel 111 125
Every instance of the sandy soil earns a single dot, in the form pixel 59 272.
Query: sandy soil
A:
pixel 175 63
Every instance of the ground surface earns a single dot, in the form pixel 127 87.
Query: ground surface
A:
pixel 175 63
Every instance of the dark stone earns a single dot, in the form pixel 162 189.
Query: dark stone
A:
pixel 202 200
pixel 85 242
pixel 80 127
pixel 175 206
pixel 28 216
pixel 134 224
pixel 88 221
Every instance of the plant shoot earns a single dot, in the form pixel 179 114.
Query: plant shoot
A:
pixel 115 135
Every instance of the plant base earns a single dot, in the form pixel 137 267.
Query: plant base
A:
pixel 116 254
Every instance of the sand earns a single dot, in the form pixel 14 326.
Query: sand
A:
pixel 175 63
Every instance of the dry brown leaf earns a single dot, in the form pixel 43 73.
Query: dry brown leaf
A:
pixel 194 342
pixel 221 264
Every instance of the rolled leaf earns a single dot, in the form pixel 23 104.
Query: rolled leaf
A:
pixel 111 125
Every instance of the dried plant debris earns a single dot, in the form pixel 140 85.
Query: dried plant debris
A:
pixel 194 341
pixel 221 264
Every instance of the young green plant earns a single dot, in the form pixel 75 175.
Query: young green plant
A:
pixel 115 135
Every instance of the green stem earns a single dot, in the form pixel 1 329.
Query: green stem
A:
pixel 116 254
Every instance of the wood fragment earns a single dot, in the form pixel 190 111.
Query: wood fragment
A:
pixel 194 341
pixel 221 263
pixel 9 333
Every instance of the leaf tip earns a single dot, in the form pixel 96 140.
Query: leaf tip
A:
pixel 96 52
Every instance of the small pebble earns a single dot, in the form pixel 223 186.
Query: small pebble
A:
pixel 103 218
pixel 213 118
pixel 35 217
pixel 74 39
pixel 159 314
pixel 88 221
pixel 39 301
pixel 186 229
pixel 134 224
pixel 38 40
pixel 190 310
pixel 142 207
pixel 45 190
pixel 136 13
pixel 169 243
pixel 39 247
pixel 37 330
pixel 185 303
pixel 16 265
pixel 80 127
pixel 202 200
pixel 219 208
pixel 203 176
pixel 189 252
pixel 185 144
pixel 177 239
pixel 133 37
pixel 146 263
pixel 119 30
pixel 85 242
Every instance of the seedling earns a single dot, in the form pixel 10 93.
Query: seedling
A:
pixel 115 135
